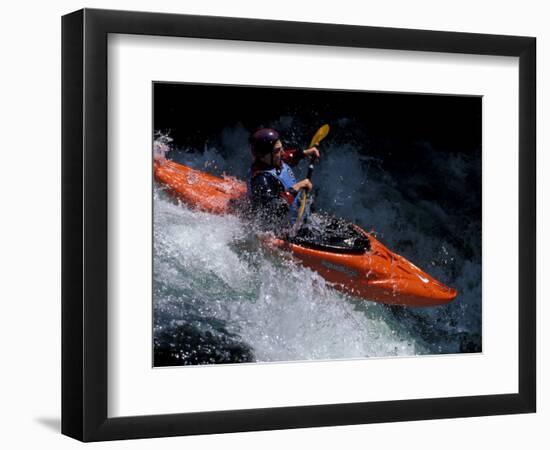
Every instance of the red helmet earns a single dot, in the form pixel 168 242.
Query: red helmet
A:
pixel 262 141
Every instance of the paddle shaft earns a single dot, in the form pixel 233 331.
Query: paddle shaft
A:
pixel 305 196
pixel 317 138
pixel 310 169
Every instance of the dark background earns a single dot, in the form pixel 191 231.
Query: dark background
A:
pixel 195 114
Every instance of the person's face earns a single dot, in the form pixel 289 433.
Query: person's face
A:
pixel 277 153
pixel 275 157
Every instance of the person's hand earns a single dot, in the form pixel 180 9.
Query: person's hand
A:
pixel 304 184
pixel 312 153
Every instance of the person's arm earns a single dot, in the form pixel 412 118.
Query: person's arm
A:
pixel 292 156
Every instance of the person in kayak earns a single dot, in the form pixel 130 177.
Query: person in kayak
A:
pixel 272 187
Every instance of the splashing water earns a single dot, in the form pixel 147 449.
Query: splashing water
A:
pixel 225 288
pixel 161 146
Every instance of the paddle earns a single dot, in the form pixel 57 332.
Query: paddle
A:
pixel 317 138
pixel 319 135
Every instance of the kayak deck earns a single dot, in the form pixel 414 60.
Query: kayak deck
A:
pixel 373 273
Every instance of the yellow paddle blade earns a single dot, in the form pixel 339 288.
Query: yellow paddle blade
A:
pixel 302 206
pixel 320 135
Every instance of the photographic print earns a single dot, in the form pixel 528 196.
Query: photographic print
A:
pixel 295 224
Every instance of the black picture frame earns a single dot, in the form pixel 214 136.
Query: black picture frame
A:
pixel 84 224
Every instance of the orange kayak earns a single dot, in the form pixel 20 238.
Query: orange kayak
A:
pixel 377 274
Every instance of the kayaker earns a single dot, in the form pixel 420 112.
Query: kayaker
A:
pixel 272 186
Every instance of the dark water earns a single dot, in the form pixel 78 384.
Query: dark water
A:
pixel 408 167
